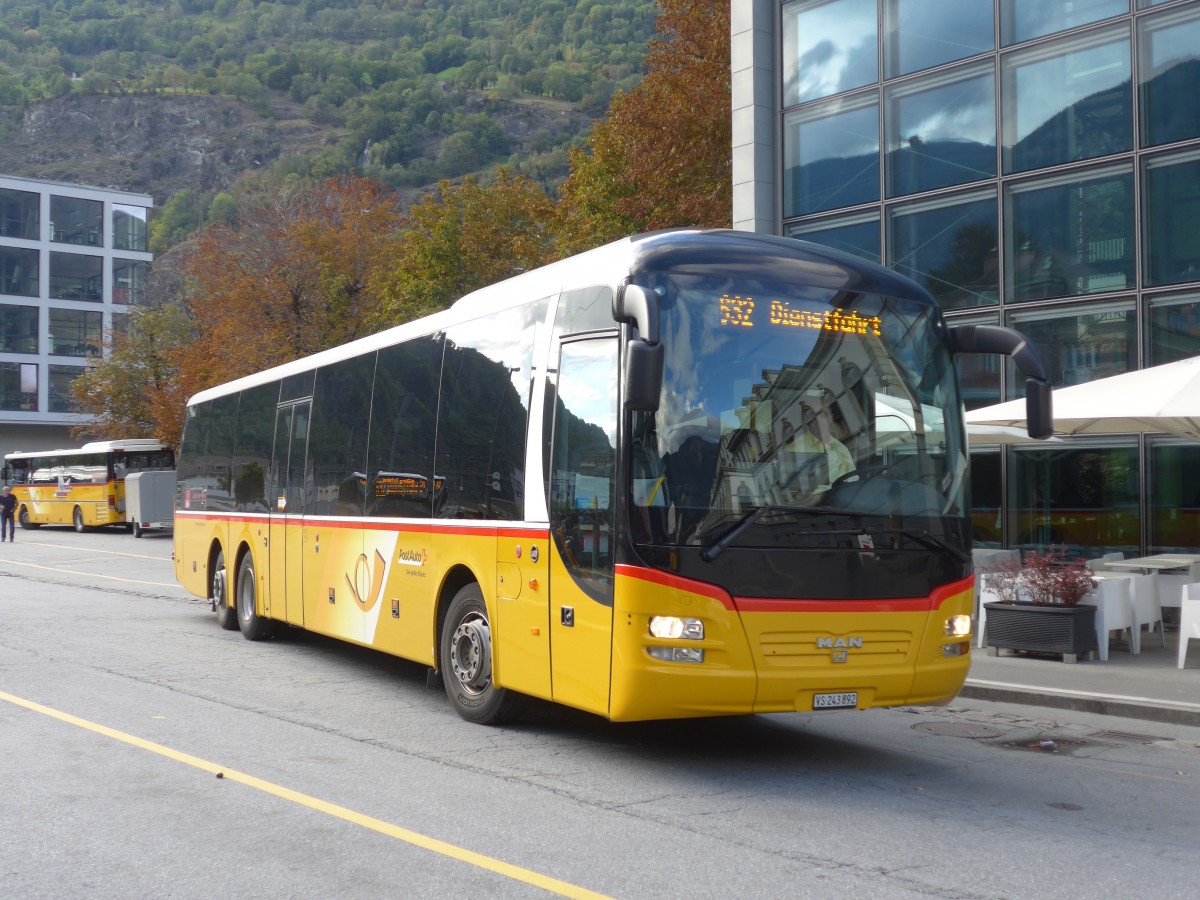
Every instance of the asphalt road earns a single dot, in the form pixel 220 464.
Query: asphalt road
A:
pixel 144 752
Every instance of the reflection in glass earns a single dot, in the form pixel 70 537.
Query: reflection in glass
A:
pixel 61 379
pixel 18 386
pixel 1083 501
pixel 1169 77
pixel 1067 102
pixel 1080 346
pixel 986 492
pixel 858 235
pixel 129 281
pixel 18 329
pixel 76 277
pixel 75 332
pixel 1172 220
pixel 831 157
pixel 129 228
pixel 978 373
pixel 1174 497
pixel 1022 20
pixel 829 46
pixel 1071 238
pixel 1173 326
pixel 949 249
pixel 925 33
pixel 942 132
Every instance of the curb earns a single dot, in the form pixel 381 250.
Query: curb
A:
pixel 1169 711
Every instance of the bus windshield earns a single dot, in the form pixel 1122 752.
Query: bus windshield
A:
pixel 785 402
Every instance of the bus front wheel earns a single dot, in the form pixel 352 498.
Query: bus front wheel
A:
pixel 466 657
pixel 23 518
pixel 77 518
pixel 227 616
pixel 254 627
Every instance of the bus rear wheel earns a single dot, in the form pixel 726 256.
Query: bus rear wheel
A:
pixel 466 657
pixel 77 518
pixel 227 616
pixel 23 518
pixel 254 627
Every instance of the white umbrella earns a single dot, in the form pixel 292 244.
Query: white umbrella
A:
pixel 1159 399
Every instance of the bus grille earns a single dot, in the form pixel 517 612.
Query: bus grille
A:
pixel 810 649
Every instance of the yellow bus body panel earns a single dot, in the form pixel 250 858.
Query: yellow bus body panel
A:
pixel 49 504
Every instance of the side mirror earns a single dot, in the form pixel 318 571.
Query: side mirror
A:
pixel 643 357
pixel 633 302
pixel 1039 411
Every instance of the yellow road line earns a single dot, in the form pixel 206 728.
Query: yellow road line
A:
pixel 517 873
pixel 87 574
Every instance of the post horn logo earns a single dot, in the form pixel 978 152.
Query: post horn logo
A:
pixel 365 573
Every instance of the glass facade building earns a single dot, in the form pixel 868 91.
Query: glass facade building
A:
pixel 1033 163
pixel 73 261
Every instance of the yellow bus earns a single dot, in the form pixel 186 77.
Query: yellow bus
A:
pixel 83 487
pixel 611 483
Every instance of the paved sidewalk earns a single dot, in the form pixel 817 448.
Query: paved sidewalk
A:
pixel 1146 686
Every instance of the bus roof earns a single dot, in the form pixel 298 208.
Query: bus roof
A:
pixel 131 445
pixel 698 250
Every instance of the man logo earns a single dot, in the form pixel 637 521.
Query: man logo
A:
pixel 838 643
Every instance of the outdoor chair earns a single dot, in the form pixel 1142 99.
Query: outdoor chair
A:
pixel 1189 619
pixel 1147 610
pixel 1113 600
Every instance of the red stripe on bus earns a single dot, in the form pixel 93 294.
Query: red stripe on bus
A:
pixel 666 579
pixel 498 531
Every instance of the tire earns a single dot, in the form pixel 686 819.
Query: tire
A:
pixel 137 530
pixel 254 627
pixel 227 616
pixel 466 662
pixel 77 518
pixel 23 520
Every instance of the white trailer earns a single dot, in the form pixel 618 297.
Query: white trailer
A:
pixel 150 500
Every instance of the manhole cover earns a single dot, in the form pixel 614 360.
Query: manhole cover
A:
pixel 959 729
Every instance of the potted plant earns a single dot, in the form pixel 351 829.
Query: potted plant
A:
pixel 1038 607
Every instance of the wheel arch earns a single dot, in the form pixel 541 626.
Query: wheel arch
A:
pixel 456 579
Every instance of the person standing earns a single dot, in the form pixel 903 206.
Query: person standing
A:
pixel 8 514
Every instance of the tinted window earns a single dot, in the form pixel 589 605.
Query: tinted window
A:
pixel 252 447
pixel 338 441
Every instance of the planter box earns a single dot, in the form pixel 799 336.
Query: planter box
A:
pixel 1036 628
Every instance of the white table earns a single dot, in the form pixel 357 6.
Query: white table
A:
pixel 1160 562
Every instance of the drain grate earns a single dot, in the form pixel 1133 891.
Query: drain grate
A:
pixel 959 729
pixel 1128 737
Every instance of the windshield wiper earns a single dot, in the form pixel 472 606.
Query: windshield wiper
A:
pixel 926 539
pixel 711 552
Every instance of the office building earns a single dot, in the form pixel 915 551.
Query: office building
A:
pixel 1034 163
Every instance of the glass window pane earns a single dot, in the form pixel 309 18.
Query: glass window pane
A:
pixel 942 131
pixel 1169 76
pixel 19 215
pixel 986 491
pixel 18 329
pixel 831 157
pixel 1084 501
pixel 1080 345
pixel 129 281
pixel 18 272
pixel 978 373
pixel 61 379
pixel 925 33
pixel 130 228
pixel 949 248
pixel 1068 101
pixel 76 277
pixel 18 386
pixel 1173 329
pixel 75 332
pixel 858 235
pixel 829 46
pixel 1172 220
pixel 1174 497
pixel 76 221
pixel 1067 238
pixel 1021 20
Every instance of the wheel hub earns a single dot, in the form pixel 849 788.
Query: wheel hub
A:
pixel 471 655
pixel 218 591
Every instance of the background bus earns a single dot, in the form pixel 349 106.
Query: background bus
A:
pixel 83 487
pixel 613 483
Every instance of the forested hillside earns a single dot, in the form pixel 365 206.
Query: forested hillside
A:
pixel 403 91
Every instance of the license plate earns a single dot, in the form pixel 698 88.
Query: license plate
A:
pixel 846 700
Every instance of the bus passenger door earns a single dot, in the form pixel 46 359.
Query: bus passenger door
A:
pixel 286 531
pixel 582 472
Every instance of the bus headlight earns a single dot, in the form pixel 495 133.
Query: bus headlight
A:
pixel 677 654
pixel 675 628
pixel 958 626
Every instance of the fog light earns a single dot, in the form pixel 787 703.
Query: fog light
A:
pixel 677 654
pixel 674 628
pixel 958 626
pixel 956 649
